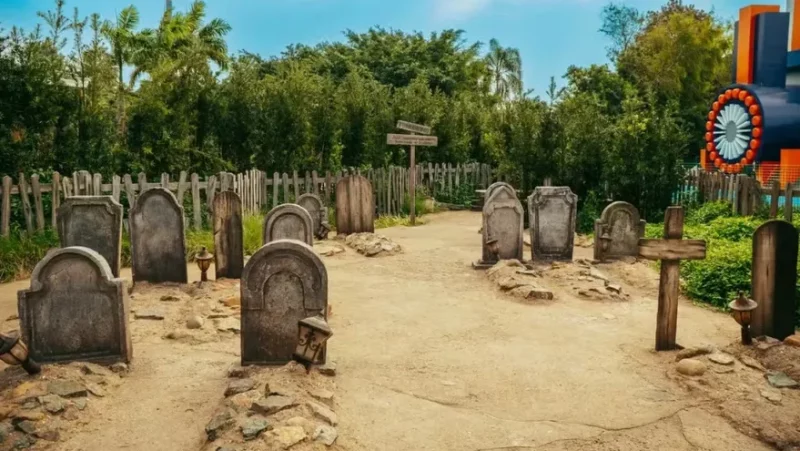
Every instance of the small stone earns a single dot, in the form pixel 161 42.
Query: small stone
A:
pixel 723 369
pixel 52 403
pixel 231 301
pixel 5 431
pixel 5 412
pixel 25 426
pixel 67 389
pixel 177 334
pixel 323 395
pixel 28 390
pixel 239 386
pixel 50 434
pixel 772 396
pixel 243 401
pixel 253 428
pixel 149 314
pixel 70 414
pixel 169 298
pixel 195 322
pixel 287 436
pixel 228 325
pixel 304 423
pixel 721 358
pixel 219 423
pixel 272 404
pixel 325 434
pixel 24 442
pixel 691 367
pixel 238 372
pixel 793 340
pixel 95 389
pixel 79 403
pixel 781 380
pixel 218 315
pixel 119 367
pixel 95 369
pixel 324 413
pixel 688 353
pixel 27 415
pixel 595 273
pixel 752 363
pixel 614 288
pixel 328 369
pixel 609 316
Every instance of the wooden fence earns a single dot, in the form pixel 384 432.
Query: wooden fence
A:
pixel 258 190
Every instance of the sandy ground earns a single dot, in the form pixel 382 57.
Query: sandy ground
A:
pixel 432 356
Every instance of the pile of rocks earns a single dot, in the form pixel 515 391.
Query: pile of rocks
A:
pixel 596 286
pixel 514 277
pixel 275 409
pixel 40 408
pixel 372 244
pixel 327 248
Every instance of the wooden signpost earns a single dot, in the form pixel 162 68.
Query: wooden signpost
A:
pixel 413 140
pixel 671 250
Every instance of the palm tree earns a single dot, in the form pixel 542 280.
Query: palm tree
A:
pixel 505 69
pixel 123 39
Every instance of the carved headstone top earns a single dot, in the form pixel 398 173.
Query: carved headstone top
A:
pixel 94 222
pixel 288 222
pixel 502 227
pixel 75 309
pixel 618 231
pixel 496 185
pixel 552 212
pixel 158 249
pixel 319 213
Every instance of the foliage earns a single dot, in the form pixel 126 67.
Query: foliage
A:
pixel 708 212
pixel 21 253
pixel 590 210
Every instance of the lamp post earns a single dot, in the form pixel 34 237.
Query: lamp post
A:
pixel 14 352
pixel 742 312
pixel 312 333
pixel 203 260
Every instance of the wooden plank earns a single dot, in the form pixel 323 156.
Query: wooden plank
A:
pixel 394 139
pixel 296 186
pixel 329 188
pixel 211 190
pixel 181 191
pixel 130 190
pixel 315 182
pixel 26 203
pixel 788 207
pixel 390 197
pixel 55 200
pixel 142 182
pixel 668 293
pixel 775 194
pixel 198 218
pixel 115 187
pixel 165 180
pixel 672 249
pixel 5 213
pixel 36 190
pixel 307 183
pixel 66 186
pixel 97 185
pixel 285 183
pixel 223 180
pixel 275 183
pixel 414 128
pixel 76 187
pixel 449 178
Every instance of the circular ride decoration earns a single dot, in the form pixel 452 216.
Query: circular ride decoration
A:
pixel 733 130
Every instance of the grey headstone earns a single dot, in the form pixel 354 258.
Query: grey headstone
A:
pixel 496 185
pixel 94 222
pixel 502 221
pixel 313 204
pixel 288 222
pixel 284 282
pixel 75 309
pixel 552 212
pixel 620 222
pixel 158 249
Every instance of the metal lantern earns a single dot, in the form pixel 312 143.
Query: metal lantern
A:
pixel 14 352
pixel 742 312
pixel 312 333
pixel 203 260
pixel 324 229
pixel 605 239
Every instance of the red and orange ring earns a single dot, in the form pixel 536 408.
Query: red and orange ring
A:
pixel 756 120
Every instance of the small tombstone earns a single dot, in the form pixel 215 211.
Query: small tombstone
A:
pixel 94 222
pixel 75 309
pixel 355 206
pixel 228 235
pixel 158 249
pixel 618 231
pixel 284 282
pixel 552 211
pixel 502 228
pixel 496 185
pixel 319 213
pixel 288 222
pixel 774 279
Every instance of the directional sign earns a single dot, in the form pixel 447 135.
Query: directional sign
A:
pixel 412 140
pixel 414 128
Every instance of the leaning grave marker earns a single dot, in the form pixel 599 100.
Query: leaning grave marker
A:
pixel 75 309
pixel 774 279
pixel 502 228
pixel 158 249
pixel 355 205
pixel 284 282
pixel 228 235
pixel 94 222
pixel 319 213
pixel 288 222
pixel 618 231
pixel 552 211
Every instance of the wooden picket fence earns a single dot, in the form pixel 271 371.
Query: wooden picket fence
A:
pixel 259 191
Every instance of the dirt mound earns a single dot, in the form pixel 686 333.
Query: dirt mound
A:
pixel 372 244
pixel 514 277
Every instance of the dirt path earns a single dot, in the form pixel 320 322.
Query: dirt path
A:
pixel 431 356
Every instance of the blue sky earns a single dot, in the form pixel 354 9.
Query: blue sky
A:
pixel 551 34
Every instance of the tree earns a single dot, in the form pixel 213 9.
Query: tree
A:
pixel 122 37
pixel 621 24
pixel 505 70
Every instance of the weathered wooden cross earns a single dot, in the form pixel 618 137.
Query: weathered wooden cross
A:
pixel 412 141
pixel 671 250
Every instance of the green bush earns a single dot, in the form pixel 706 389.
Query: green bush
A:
pixel 725 271
pixel 733 228
pixel 708 212
pixel 590 210
pixel 19 253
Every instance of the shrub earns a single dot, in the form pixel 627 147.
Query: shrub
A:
pixel 589 211
pixel 708 212
pixel 19 253
pixel 725 271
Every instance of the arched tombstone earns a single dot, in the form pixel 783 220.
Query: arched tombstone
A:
pixel 496 185
pixel 228 235
pixel 288 222
pixel 158 249
pixel 617 232
pixel 319 213
pixel 552 212
pixel 75 309
pixel 774 279
pixel 283 283
pixel 502 228
pixel 355 205
pixel 94 222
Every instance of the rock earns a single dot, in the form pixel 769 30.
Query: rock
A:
pixel 177 334
pixel 5 412
pixel 509 283
pixel 323 413
pixel 688 353
pixel 95 369
pixel 229 325
pixel 239 386
pixel 723 369
pixel 721 358
pixel 5 431
pixel 304 423
pixel 597 274
pixel 27 415
pixel 24 442
pixel 70 414
pixel 243 401
pixel 28 390
pixel 169 298
pixel 95 389
pixel 609 316
pixel 231 301
pixel 272 404
pixel 253 428
pixel 328 369
pixel 238 372
pixel 325 434
pixel 793 340
pixel 67 388
pixel 613 288
pixel 30 405
pixel 764 343
pixel 25 426
pixel 532 292
pixel 218 315
pixel 371 244
pixel 752 363
pixel 781 380
pixel 195 322
pixel 287 436
pixel 772 396
pixel 119 367
pixel 322 395
pixel 219 423
pixel 50 434
pixel 529 272
pixel 52 403
pixel 79 403
pixel 328 249
pixel 149 314
pixel 691 367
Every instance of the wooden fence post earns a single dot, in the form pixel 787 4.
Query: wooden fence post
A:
pixel 26 203
pixel 5 213
pixel 198 219
pixel 775 194
pixel 181 192
pixel 115 187
pixel 285 188
pixel 142 183
pixel 788 207
pixel 55 199
pixel 130 190
pixel 275 183
pixel 36 189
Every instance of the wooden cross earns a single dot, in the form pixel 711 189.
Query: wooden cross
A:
pixel 671 250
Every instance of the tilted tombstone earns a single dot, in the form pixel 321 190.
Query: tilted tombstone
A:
pixel 158 249
pixel 284 282
pixel 228 235
pixel 355 206
pixel 94 222
pixel 502 228
pixel 319 213
pixel 774 279
pixel 617 232
pixel 552 212
pixel 75 309
pixel 288 222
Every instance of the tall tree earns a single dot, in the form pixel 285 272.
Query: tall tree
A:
pixel 505 70
pixel 122 37
pixel 621 24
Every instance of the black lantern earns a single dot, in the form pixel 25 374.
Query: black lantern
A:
pixel 312 333
pixel 203 260
pixel 742 312
pixel 14 352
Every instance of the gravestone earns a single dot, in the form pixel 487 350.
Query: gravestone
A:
pixel 774 279
pixel 75 309
pixel 319 213
pixel 94 222
pixel 228 235
pixel 158 249
pixel 617 232
pixel 284 282
pixel 355 206
pixel 552 212
pixel 502 228
pixel 496 185
pixel 288 222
